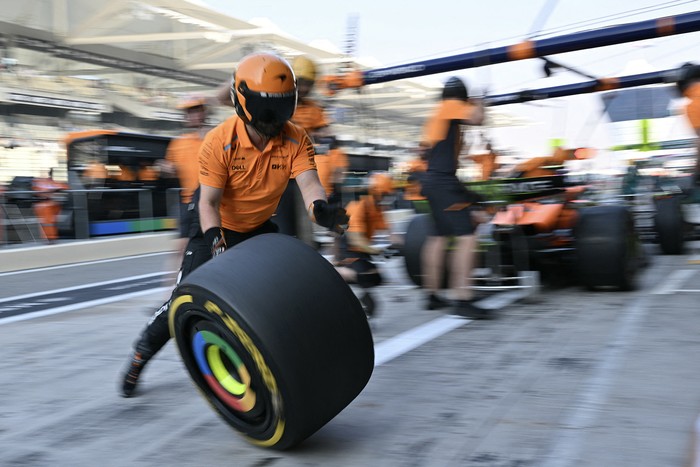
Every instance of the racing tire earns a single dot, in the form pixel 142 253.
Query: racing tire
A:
pixel 273 338
pixel 607 248
pixel 669 225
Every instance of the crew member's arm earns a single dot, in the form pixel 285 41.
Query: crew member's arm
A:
pixel 332 217
pixel 209 201
pixel 212 180
pixel 210 219
pixel 310 187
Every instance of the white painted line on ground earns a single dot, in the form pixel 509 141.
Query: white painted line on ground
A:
pixel 78 306
pixel 396 346
pixel 84 263
pixel 589 402
pixel 673 282
pixel 385 351
pixel 84 286
pixel 696 444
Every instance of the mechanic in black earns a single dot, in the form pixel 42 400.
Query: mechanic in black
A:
pixel 451 203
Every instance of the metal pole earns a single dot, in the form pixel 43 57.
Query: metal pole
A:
pixel 81 216
pixel 146 210
pixel 619 34
pixel 607 84
pixel 3 221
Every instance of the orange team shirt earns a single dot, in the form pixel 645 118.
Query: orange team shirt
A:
pixel 328 164
pixel 183 154
pixel 253 181
pixel 437 126
pixel 309 115
pixel 692 110
pixel 365 217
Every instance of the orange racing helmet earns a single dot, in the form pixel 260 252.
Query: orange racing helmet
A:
pixel 264 92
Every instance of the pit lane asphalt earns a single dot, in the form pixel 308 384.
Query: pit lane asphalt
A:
pixel 570 378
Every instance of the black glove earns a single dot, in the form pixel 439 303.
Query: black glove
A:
pixel 214 237
pixel 330 216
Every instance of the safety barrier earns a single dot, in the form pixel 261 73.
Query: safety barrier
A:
pixel 86 213
pixel 39 256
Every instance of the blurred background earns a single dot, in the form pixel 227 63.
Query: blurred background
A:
pixel 119 69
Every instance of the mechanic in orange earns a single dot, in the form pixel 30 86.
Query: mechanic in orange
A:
pixel 48 207
pixel 354 259
pixel 182 161
pixel 451 203
pixel 310 116
pixel 244 166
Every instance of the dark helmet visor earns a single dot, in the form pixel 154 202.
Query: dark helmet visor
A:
pixel 272 108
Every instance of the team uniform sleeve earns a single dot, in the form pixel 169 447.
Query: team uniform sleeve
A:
pixel 357 216
pixel 213 170
pixel 304 158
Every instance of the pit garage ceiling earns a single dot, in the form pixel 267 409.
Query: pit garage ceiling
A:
pixel 197 45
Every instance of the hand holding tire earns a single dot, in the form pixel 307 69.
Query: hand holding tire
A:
pixel 331 216
pixel 214 237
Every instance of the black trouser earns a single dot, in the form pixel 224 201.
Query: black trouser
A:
pixel 368 275
pixel 156 334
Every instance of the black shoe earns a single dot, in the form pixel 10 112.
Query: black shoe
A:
pixel 368 304
pixel 436 303
pixel 131 376
pixel 469 309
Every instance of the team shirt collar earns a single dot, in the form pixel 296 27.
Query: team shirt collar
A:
pixel 245 139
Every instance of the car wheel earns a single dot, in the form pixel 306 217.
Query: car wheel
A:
pixel 669 225
pixel 607 248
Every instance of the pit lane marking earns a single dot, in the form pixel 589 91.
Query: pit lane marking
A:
pixel 84 286
pixel 81 305
pixel 394 347
pixel 673 282
pixel 83 263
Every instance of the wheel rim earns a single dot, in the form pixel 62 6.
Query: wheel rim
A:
pixel 227 374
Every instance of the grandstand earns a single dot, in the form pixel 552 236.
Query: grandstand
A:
pixel 122 64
